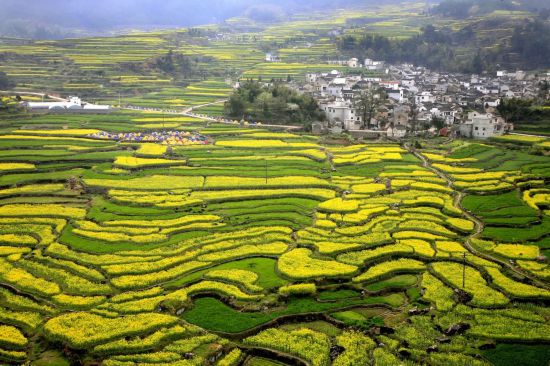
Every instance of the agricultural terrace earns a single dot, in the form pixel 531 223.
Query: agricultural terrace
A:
pixel 185 68
pixel 136 251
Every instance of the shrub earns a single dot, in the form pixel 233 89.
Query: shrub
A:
pixel 231 359
pixel 298 289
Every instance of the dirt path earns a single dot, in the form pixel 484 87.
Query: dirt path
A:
pixel 189 113
pixel 478 225
pixel 42 95
pixel 191 109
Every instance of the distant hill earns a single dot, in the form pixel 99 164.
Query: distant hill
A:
pixel 469 36
pixel 462 9
pixel 56 19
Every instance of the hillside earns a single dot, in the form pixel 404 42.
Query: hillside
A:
pixel 58 19
pixel 125 243
pixel 201 224
pixel 161 61
pixel 491 37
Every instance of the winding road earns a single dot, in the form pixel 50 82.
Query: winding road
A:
pixel 479 225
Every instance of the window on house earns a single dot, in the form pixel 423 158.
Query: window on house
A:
pixel 477 128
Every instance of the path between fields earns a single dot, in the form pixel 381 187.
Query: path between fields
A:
pixel 42 95
pixel 528 134
pixel 479 225
pixel 189 113
pixel 191 109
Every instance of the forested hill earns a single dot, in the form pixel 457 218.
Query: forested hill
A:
pixel 461 9
pixel 463 38
pixel 57 19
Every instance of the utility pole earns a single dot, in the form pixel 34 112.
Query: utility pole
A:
pixel 463 270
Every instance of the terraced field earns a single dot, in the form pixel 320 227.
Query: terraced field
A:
pixel 264 246
pixel 89 68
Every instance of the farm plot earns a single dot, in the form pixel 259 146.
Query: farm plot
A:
pixel 139 252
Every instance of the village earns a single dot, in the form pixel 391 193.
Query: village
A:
pixel 374 99
pixel 397 100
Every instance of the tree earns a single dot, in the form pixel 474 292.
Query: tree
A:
pixel 366 105
pixel 166 63
pixel 5 82
pixel 413 116
pixel 477 64
pixel 437 122
pixel 544 89
pixel 514 109
pixel 235 106
pixel 272 103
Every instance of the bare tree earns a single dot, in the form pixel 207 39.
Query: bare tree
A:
pixel 366 105
pixel 413 116
pixel 74 184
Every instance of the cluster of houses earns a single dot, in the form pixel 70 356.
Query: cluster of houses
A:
pixel 411 99
pixel 354 63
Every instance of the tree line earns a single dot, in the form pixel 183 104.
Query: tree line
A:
pixel 273 102
pixel 435 48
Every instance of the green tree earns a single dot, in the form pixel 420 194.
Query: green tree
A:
pixel 437 122
pixel 477 64
pixel 235 106
pixel 514 109
pixel 5 81
pixel 274 103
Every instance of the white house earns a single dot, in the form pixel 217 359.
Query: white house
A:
pixel 396 132
pixel 373 65
pixel 394 85
pixel 482 126
pixel 269 57
pixel 344 112
pixel 424 97
pixel 74 104
pixel 397 95
pixel 353 63
pixel 408 82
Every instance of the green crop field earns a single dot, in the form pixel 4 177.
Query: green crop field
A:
pixel 269 247
pixel 152 238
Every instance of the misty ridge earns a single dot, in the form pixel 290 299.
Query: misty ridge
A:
pixel 37 19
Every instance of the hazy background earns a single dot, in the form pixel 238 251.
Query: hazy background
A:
pixel 61 18
pixel 54 19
